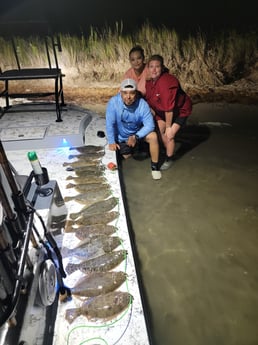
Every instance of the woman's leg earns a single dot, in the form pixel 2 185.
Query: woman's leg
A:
pixel 169 143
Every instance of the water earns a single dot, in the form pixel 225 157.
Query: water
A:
pixel 196 232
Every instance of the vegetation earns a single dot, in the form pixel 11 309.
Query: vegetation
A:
pixel 198 59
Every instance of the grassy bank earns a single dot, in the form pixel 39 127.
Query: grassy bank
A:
pixel 200 61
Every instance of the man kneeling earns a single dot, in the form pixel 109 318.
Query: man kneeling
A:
pixel 129 120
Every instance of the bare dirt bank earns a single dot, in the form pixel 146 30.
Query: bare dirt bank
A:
pixel 242 91
pixel 96 99
pixel 95 95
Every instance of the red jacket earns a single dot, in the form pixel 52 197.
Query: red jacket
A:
pixel 166 94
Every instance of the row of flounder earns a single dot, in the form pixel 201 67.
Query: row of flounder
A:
pixel 96 249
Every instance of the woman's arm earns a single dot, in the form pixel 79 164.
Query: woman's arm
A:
pixel 168 118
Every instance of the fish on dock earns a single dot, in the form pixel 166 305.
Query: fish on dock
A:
pixel 87 169
pixel 91 175
pixel 97 207
pixel 88 198
pixel 96 218
pixel 87 179
pixel 87 187
pixel 87 148
pixel 105 306
pixel 102 263
pixel 87 155
pixel 92 247
pixel 88 173
pixel 98 283
pixel 77 164
pixel 88 231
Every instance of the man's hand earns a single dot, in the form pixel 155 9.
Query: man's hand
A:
pixel 132 141
pixel 113 147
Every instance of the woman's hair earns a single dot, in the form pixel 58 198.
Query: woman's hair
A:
pixel 139 49
pixel 157 57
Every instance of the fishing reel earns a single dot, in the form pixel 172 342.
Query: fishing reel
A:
pixel 47 284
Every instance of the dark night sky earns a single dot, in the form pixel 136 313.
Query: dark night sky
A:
pixel 78 15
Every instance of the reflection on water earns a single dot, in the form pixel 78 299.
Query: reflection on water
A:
pixel 196 231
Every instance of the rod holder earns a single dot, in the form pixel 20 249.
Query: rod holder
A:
pixel 43 178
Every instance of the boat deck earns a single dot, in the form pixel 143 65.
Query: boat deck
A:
pixel 26 130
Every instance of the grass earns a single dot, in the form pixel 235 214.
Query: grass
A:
pixel 102 57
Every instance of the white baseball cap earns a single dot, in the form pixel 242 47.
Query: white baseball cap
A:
pixel 128 84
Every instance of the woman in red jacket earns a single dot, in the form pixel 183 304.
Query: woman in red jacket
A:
pixel 170 105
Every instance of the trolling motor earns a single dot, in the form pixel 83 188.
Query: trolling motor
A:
pixel 31 268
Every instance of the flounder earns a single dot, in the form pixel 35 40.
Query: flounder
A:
pixel 101 307
pixel 87 148
pixel 84 188
pixel 98 283
pixel 91 247
pixel 87 155
pixel 88 231
pixel 88 179
pixel 97 207
pixel 100 263
pixel 90 219
pixel 88 198
pixel 77 164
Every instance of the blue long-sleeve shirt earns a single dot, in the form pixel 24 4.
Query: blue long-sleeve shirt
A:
pixel 123 121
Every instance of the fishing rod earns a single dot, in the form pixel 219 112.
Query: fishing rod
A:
pixel 8 263
pixel 17 195
pixel 15 235
pixel 19 278
pixel 10 218
pixel 7 254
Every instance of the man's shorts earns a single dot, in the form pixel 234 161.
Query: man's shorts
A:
pixel 126 150
pixel 139 152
